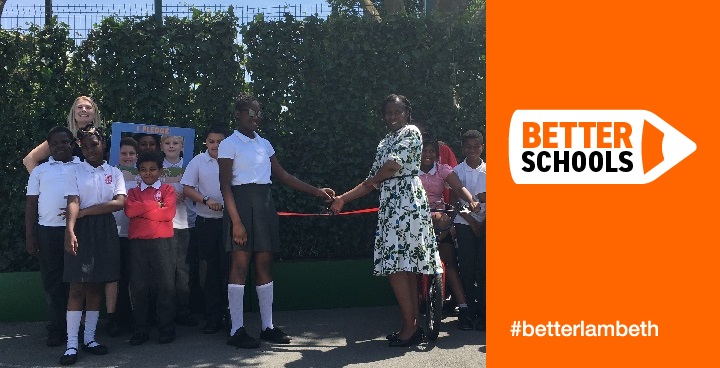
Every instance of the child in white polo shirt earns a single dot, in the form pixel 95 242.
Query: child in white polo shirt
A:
pixel 172 146
pixel 45 230
pixel 470 227
pixel 202 185
pixel 246 162
pixel 94 191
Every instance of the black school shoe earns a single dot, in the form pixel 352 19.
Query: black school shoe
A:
pixel 275 335
pixel 95 350
pixel 242 340
pixel 166 337
pixel 69 359
pixel 139 338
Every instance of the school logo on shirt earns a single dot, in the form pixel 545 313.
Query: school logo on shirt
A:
pixel 158 195
pixel 108 179
pixel 593 147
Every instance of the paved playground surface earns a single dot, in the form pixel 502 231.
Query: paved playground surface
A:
pixel 351 337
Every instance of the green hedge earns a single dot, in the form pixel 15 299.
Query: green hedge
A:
pixel 320 81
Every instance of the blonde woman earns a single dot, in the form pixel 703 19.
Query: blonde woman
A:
pixel 83 112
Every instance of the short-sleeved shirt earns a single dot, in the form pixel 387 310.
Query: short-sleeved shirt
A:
pixel 121 220
pixel 434 182
pixel 184 210
pixel 47 181
pixel 251 158
pixel 474 181
pixel 94 185
pixel 203 174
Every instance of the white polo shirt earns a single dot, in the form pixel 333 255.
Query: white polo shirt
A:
pixel 251 158
pixel 121 220
pixel 203 174
pixel 184 210
pixel 474 181
pixel 94 185
pixel 47 181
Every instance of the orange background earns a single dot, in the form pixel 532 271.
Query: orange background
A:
pixel 602 253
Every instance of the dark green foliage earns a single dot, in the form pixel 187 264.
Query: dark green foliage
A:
pixel 321 83
pixel 332 77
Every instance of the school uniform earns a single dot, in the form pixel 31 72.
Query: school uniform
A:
pixel 152 254
pixel 123 309
pixel 184 213
pixel 251 187
pixel 47 182
pixel 471 248
pixel 98 255
pixel 202 173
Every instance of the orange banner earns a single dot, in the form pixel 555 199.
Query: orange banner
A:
pixel 590 259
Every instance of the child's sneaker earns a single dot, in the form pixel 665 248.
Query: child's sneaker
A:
pixel 242 340
pixel 464 320
pixel 275 335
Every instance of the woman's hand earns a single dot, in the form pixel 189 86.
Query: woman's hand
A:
pixel 239 234
pixel 71 243
pixel 474 206
pixel 337 205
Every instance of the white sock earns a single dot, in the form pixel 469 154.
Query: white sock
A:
pixel 91 319
pixel 73 327
pixel 265 299
pixel 235 302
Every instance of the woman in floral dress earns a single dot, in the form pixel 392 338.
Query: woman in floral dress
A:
pixel 404 240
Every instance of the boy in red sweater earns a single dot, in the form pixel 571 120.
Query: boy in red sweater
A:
pixel 151 208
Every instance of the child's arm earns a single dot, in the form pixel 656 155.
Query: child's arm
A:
pixel 39 153
pixel 31 218
pixel 136 207
pixel 72 209
pixel 115 204
pixel 461 192
pixel 165 210
pixel 239 233
pixel 279 173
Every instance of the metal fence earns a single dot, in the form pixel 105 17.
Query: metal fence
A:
pixel 81 18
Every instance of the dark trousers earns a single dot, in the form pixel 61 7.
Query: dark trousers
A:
pixel 51 243
pixel 214 261
pixel 197 302
pixel 181 242
pixel 471 265
pixel 123 309
pixel 152 267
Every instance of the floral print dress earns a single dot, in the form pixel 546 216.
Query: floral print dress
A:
pixel 404 239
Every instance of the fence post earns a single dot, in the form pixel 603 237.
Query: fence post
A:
pixel 48 11
pixel 158 10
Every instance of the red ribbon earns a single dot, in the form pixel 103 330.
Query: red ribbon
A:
pixel 367 210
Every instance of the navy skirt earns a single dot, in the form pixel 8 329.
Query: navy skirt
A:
pixel 258 214
pixel 98 254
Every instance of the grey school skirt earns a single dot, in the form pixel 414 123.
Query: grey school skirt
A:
pixel 98 255
pixel 259 216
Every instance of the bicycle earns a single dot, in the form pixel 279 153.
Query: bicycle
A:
pixel 431 293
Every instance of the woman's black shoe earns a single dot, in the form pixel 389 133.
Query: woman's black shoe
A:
pixel 415 339
pixel 393 336
pixel 139 338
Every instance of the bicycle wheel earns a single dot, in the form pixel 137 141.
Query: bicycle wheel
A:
pixel 433 309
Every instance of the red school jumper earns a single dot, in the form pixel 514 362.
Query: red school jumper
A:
pixel 147 219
